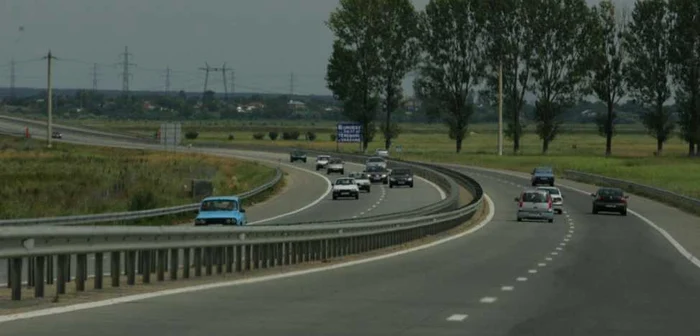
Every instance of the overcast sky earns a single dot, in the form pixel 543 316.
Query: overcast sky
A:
pixel 263 40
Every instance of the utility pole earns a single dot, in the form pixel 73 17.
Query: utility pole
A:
pixel 500 109
pixel 291 86
pixel 49 98
pixel 12 78
pixel 206 70
pixel 223 71
pixel 167 79
pixel 94 77
pixel 126 75
pixel 233 85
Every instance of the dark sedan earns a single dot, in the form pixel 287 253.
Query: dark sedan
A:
pixel 401 177
pixel 377 174
pixel 297 156
pixel 610 200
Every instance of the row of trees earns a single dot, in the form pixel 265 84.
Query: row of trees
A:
pixel 558 50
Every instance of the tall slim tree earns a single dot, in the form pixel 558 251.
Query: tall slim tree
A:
pixel 561 62
pixel 354 63
pixel 452 33
pixel 648 68
pixel 510 45
pixel 685 59
pixel 608 64
pixel 398 51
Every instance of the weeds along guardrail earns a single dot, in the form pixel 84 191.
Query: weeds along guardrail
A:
pixel 137 254
pixel 684 202
pixel 133 215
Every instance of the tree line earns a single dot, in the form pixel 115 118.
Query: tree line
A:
pixel 560 51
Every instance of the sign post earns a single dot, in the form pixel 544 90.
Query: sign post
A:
pixel 170 134
pixel 348 132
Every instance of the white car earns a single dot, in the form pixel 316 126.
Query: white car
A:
pixel 345 187
pixel 362 180
pixel 381 152
pixel 322 161
pixel 335 165
pixel 375 161
pixel 557 198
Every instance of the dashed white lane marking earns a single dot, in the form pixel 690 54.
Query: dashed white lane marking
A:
pixel 559 249
pixel 521 279
pixel 354 216
pixel 566 239
pixel 562 244
pixel 488 299
pixel 568 236
pixel 548 259
pixel 555 253
pixel 541 264
pixel 457 317
pixel 507 288
pixel 362 213
pixel 532 271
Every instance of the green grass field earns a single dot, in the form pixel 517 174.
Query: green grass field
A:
pixel 72 179
pixel 578 147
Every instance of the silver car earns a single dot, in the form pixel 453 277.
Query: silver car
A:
pixel 557 198
pixel 535 204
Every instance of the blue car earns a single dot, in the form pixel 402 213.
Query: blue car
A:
pixel 542 175
pixel 221 210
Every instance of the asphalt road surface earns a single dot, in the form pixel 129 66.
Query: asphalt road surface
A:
pixel 583 274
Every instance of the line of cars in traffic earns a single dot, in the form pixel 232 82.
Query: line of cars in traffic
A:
pixel 542 202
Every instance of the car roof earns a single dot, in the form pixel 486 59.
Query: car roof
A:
pixel 323 156
pixel 221 198
pixel 343 178
pixel 376 158
pixel 533 190
pixel 611 189
pixel 544 168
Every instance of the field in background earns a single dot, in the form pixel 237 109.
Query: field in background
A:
pixel 72 179
pixel 578 147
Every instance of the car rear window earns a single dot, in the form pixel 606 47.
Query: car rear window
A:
pixel 534 197
pixel 344 182
pixel 551 191
pixel 610 192
pixel 401 172
pixel 543 170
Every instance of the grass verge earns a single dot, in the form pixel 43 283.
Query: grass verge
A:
pixel 72 179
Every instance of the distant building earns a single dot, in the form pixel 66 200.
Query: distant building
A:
pixel 296 105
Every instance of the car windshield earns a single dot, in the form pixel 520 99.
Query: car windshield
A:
pixel 543 171
pixel 534 197
pixel 299 153
pixel 219 205
pixel 375 169
pixel 344 182
pixel 553 191
pixel 322 158
pixel 401 172
pixel 610 192
pixel 358 175
pixel 336 161
pixel 375 160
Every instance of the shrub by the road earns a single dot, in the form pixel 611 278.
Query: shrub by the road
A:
pixel 273 135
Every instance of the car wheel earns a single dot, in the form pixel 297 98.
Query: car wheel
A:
pixel 551 220
pixel 385 182
pixel 368 189
pixel 357 196
pixel 335 197
pixel 534 184
pixel 551 184
pixel 328 172
pixel 624 212
pixel 595 211
pixel 304 160
pixel 411 185
pixel 317 168
pixel 520 219
pixel 391 185
pixel 342 172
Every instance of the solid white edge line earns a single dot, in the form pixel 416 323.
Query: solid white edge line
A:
pixel 183 290
pixel 457 317
pixel 442 192
pixel 685 253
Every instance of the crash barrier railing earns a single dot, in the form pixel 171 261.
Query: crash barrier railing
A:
pixel 133 215
pixel 41 255
pixel 429 172
pixel 684 202
pixel 41 124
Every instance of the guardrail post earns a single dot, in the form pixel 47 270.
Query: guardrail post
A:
pixel 186 265
pixel 146 275
pixel 130 264
pixel 160 267
pixel 197 261
pixel 208 260
pixel 279 254
pixel 30 272
pixel 174 263
pixel 99 261
pixel 139 262
pixel 115 263
pixel 69 268
pixel 9 272
pixel 254 257
pixel 247 253
pixel 16 280
pixel 39 277
pixel 264 255
pixel 49 270
pixel 239 257
pixel 80 266
pixel 229 259
pixel 219 259
pixel 61 273
pixel 153 258
pixel 285 253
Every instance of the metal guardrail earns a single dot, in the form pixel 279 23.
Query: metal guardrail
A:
pixel 131 215
pixel 179 251
pixel 675 199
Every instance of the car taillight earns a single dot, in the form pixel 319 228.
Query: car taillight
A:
pixel 520 204
pixel 623 200
pixel 549 203
pixel 600 198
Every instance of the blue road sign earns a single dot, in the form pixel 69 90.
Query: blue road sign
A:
pixel 349 132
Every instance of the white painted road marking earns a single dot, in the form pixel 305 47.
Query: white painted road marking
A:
pixel 197 288
pixel 555 253
pixel 541 264
pixel 521 279
pixel 532 271
pixel 488 299
pixel 507 288
pixel 457 317
pixel 548 259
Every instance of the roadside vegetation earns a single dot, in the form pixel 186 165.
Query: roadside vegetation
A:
pixel 72 179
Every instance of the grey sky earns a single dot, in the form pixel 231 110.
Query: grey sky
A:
pixel 263 40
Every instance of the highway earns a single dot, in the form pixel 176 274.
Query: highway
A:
pixel 583 274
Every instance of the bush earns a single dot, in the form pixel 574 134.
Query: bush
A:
pixel 231 137
pixel 333 137
pixel 258 136
pixel 143 200
pixel 311 136
pixel 273 135
pixel 290 135
pixel 191 135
